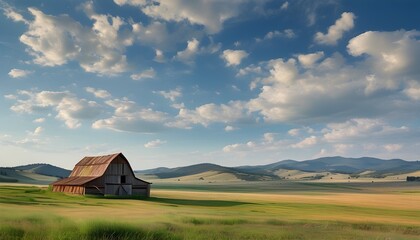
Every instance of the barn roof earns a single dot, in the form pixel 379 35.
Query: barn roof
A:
pixel 90 168
pixel 74 181
pixel 94 166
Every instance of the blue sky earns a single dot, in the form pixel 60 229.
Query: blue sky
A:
pixel 172 83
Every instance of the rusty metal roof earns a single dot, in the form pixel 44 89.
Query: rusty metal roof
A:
pixel 94 165
pixel 74 181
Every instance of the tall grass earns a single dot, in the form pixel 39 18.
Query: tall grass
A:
pixel 34 213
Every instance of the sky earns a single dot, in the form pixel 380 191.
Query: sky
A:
pixel 177 82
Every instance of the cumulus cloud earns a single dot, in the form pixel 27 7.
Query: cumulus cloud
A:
pixel 360 128
pixel 189 52
pixel 308 60
pixel 149 73
pixel 209 14
pixel 69 108
pixel 393 147
pixel 130 117
pixel 336 31
pixel 391 55
pixel 284 6
pixel 39 120
pixel 12 14
pixel 206 114
pixel 239 147
pixel 233 57
pixel 287 33
pixel 18 73
pixel 154 144
pixel 37 131
pixel 99 93
pixel 57 40
pixel 160 58
pixel 171 94
pixel 307 142
pixel 229 128
pixel 318 88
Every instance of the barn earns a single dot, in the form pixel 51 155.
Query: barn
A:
pixel 103 175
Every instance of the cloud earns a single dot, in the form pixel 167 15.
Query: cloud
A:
pixel 154 144
pixel 171 94
pixel 360 128
pixel 57 40
pixel 233 57
pixel 99 93
pixel 39 120
pixel 392 57
pixel 318 88
pixel 160 58
pixel 308 60
pixel 70 109
pixel 239 147
pixel 190 51
pixel 18 73
pixel 38 131
pixel 209 14
pixel 11 13
pixel 393 147
pixel 287 33
pixel 336 31
pixel 130 117
pixel 284 6
pixel 149 73
pixel 229 128
pixel 206 114
pixel 307 142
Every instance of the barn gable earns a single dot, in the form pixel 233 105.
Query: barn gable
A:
pixel 108 174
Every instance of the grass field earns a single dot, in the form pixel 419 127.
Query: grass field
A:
pixel 260 210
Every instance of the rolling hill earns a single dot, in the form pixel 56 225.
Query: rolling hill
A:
pixel 33 174
pixel 309 169
pixel 336 168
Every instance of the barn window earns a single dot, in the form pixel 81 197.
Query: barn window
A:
pixel 122 179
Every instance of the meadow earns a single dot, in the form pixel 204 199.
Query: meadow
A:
pixel 244 210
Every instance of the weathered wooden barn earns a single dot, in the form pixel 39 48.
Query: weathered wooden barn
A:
pixel 103 175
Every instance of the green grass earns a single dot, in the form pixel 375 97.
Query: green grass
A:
pixel 37 213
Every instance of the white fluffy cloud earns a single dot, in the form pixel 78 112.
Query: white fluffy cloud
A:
pixel 149 73
pixel 308 60
pixel 130 117
pixel 18 73
pixel 317 88
pixel 171 94
pixel 389 53
pixel 210 14
pixel 336 31
pixel 70 109
pixel 189 52
pixel 233 57
pixel 360 128
pixel 11 13
pixel 56 40
pixel 307 142
pixel 154 144
pixel 99 93
pixel 287 33
pixel 211 113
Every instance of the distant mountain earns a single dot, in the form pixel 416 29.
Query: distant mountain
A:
pixel 206 167
pixel 376 167
pixel 45 169
pixel 347 165
pixel 33 173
